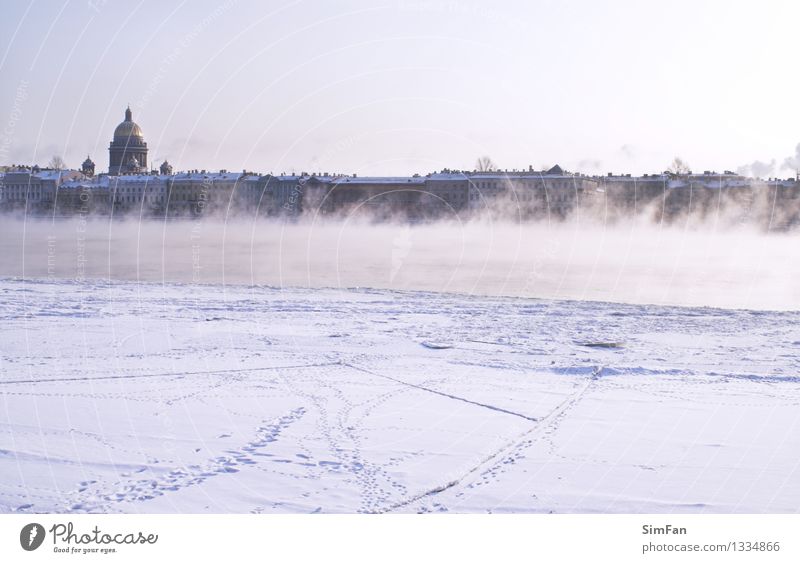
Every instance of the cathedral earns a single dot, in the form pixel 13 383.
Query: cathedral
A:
pixel 127 153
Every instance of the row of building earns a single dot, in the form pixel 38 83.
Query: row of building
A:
pixel 552 193
pixel 199 192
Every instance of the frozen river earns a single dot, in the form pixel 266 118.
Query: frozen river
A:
pixel 150 397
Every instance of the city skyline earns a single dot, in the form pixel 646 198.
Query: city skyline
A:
pixel 127 155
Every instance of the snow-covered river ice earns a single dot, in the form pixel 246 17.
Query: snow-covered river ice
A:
pixel 155 394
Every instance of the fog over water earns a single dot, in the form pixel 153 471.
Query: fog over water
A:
pixel 635 262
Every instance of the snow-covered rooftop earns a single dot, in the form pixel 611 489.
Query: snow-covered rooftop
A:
pixel 635 179
pixel 380 180
pixel 57 174
pixel 131 178
pixel 215 176
pixel 507 176
pixel 448 176
pixel 98 182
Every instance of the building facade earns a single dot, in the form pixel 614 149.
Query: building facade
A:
pixel 33 189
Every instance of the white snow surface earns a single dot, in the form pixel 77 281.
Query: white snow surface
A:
pixel 149 398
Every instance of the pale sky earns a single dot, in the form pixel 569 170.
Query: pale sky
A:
pixel 396 87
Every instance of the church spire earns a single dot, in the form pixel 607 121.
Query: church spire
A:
pixel 128 114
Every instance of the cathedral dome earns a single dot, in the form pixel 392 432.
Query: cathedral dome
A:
pixel 127 128
pixel 128 144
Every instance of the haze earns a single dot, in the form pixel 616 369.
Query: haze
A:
pixel 636 262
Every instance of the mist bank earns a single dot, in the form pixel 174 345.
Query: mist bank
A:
pixel 634 262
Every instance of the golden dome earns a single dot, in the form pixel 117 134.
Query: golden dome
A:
pixel 127 128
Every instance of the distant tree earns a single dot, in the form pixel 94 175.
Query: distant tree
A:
pixel 485 164
pixel 679 167
pixel 56 163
